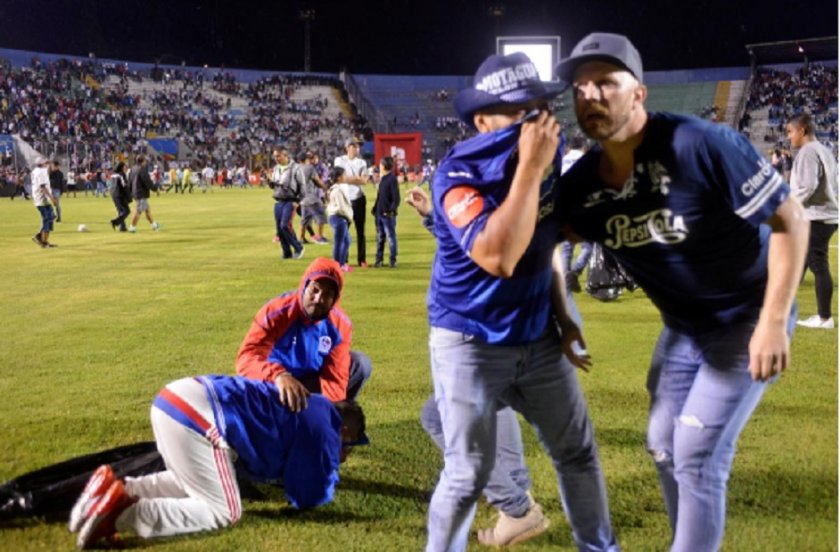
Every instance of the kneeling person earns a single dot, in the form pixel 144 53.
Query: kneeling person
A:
pixel 207 428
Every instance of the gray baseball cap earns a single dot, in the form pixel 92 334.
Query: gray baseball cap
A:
pixel 609 47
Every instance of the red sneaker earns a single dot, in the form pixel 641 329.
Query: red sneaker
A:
pixel 101 524
pixel 363 264
pixel 96 486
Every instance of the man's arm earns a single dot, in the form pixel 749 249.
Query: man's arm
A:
pixel 770 345
pixel 570 332
pixel 252 362
pixel 418 199
pixel 509 229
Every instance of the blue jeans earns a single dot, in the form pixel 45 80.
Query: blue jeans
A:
pixel 386 227
pixel 471 379
pixel 283 212
pixel 47 217
pixel 341 238
pixel 701 397
pixel 566 250
pixel 510 480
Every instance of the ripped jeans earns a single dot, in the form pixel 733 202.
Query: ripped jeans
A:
pixel 702 396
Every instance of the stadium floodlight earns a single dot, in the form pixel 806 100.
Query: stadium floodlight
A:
pixel 307 15
pixel 544 51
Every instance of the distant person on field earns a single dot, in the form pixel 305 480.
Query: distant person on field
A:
pixel 311 206
pixel 575 149
pixel 356 174
pixel 385 212
pixel 813 181
pixel 287 182
pixel 340 213
pixel 58 185
pixel 210 430
pixel 43 199
pixel 141 187
pixel 121 196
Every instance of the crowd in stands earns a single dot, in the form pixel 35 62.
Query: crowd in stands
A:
pixel 73 110
pixel 93 114
pixel 813 89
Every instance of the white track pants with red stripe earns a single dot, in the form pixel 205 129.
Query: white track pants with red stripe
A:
pixel 198 490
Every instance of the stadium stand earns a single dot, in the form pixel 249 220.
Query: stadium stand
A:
pixel 89 112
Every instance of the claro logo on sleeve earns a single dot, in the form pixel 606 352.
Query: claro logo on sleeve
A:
pixel 462 205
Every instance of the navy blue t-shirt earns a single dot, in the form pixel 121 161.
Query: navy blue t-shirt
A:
pixel 469 185
pixel 688 223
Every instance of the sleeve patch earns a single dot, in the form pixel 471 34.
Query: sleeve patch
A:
pixel 462 205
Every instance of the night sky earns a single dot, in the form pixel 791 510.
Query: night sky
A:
pixel 400 36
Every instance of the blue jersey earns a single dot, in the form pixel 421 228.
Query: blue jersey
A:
pixel 273 443
pixel 687 224
pixel 469 185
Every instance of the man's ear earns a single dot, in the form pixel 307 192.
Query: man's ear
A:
pixel 640 93
pixel 480 122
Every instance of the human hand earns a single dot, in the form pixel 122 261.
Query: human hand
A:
pixel 769 350
pixel 292 393
pixel 574 347
pixel 538 140
pixel 417 198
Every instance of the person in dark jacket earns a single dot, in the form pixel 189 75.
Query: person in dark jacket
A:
pixel 58 185
pixel 141 187
pixel 121 194
pixel 385 212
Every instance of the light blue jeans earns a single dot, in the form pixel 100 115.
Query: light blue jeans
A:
pixel 471 379
pixel 510 480
pixel 702 396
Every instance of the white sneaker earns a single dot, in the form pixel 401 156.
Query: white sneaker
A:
pixel 132 229
pixel 816 322
pixel 509 530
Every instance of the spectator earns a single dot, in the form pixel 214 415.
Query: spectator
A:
pixel 385 212
pixel 814 182
pixel 42 197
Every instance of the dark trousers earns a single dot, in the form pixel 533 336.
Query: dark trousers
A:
pixel 359 214
pixel 361 368
pixel 817 263
pixel 122 213
pixel 283 212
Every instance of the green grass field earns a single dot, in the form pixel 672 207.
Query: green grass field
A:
pixel 93 329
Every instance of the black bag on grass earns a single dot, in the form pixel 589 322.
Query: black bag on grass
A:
pixel 606 278
pixel 52 491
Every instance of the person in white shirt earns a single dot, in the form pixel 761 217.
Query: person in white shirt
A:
pixel 356 174
pixel 44 200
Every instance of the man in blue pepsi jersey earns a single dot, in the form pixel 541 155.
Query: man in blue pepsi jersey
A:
pixel 708 229
pixel 494 311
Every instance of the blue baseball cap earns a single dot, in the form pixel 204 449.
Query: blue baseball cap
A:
pixel 612 48
pixel 504 80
